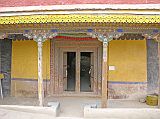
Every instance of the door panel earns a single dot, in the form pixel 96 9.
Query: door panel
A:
pixel 79 73
pixel 92 71
pixel 85 72
pixel 69 71
pixel 65 71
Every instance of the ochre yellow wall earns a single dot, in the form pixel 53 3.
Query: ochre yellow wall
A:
pixel 24 59
pixel 129 59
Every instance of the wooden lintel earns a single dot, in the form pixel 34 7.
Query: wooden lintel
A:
pixel 104 76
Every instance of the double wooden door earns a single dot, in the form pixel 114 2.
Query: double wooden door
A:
pixel 77 68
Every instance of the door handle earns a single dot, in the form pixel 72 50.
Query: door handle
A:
pixel 66 73
pixel 90 69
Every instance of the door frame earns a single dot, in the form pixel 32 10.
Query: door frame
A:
pixel 78 51
pixel 61 51
pixel 59 45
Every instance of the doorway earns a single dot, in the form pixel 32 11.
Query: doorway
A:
pixel 77 68
pixel 86 71
pixel 69 71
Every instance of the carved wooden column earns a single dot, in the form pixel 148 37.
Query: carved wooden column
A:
pixel 104 75
pixel 40 71
pixel 2 36
pixel 105 38
pixel 40 36
pixel 157 38
pixel 159 73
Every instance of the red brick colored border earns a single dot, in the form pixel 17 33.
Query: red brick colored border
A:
pixel 17 3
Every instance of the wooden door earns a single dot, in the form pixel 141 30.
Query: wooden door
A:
pixel 91 71
pixel 65 73
pixel 68 69
pixel 61 67
pixel 81 65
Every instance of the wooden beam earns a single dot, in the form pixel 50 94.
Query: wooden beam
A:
pixel 104 75
pixel 40 78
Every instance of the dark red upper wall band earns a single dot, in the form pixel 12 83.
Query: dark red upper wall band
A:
pixel 18 3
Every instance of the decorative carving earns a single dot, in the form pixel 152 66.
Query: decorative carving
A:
pixel 152 34
pixel 105 37
pixel 157 37
pixel 3 35
pixel 40 35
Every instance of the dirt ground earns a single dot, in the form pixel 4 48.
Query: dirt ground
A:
pixel 73 106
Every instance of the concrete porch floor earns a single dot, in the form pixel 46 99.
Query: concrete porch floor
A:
pixel 73 106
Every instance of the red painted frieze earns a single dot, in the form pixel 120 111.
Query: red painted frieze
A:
pixel 18 3
pixel 74 38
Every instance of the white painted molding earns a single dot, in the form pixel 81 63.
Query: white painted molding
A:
pixel 86 9
pixel 131 12
pixel 82 6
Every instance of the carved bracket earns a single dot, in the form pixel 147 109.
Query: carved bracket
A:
pixel 3 35
pixel 105 37
pixel 152 34
pixel 39 35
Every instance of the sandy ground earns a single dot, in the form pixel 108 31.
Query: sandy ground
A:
pixel 69 106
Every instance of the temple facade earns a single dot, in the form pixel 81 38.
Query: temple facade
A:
pixel 107 49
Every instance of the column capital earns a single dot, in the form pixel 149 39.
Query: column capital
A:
pixel 106 37
pixel 3 35
pixel 152 34
pixel 157 38
pixel 39 35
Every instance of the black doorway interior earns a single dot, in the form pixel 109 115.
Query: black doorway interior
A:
pixel 71 71
pixel 85 71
